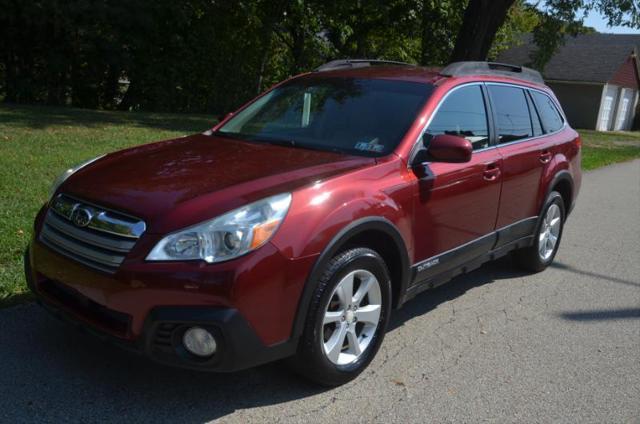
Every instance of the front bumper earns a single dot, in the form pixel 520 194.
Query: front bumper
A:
pixel 238 345
pixel 147 312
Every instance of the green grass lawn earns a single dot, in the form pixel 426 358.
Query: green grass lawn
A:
pixel 604 148
pixel 38 143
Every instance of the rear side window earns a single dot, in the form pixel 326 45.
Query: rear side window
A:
pixel 463 113
pixel 551 118
pixel 512 113
pixel 535 118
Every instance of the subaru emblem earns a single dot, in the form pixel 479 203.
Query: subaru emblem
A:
pixel 81 217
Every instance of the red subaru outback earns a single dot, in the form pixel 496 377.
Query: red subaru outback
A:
pixel 294 226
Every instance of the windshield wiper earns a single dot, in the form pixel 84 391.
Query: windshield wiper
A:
pixel 288 142
pixel 297 144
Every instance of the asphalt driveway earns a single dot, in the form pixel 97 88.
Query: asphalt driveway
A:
pixel 496 345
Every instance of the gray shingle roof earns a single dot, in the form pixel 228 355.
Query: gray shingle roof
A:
pixel 587 57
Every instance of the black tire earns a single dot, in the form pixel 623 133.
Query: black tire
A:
pixel 529 258
pixel 310 360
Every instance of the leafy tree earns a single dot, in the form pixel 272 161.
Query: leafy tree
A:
pixel 484 18
pixel 522 19
pixel 374 28
pixel 204 55
pixel 441 21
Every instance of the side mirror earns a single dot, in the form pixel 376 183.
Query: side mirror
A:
pixel 449 148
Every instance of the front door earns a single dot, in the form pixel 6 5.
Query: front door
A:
pixel 457 203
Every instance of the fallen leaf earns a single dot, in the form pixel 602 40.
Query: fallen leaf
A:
pixel 398 383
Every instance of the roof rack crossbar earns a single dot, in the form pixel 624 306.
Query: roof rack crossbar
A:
pixel 357 63
pixel 458 69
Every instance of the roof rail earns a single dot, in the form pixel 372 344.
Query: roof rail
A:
pixel 356 63
pixel 458 69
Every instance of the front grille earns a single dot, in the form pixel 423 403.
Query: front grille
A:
pixel 96 237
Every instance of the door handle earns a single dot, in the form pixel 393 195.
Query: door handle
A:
pixel 545 156
pixel 491 172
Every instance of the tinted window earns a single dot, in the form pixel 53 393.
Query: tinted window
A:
pixel 358 116
pixel 512 113
pixel 462 113
pixel 535 118
pixel 551 118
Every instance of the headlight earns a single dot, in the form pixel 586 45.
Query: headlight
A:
pixel 69 172
pixel 226 237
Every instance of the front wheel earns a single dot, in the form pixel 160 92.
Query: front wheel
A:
pixel 347 318
pixel 547 237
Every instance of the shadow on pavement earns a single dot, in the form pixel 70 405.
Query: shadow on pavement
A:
pixel 499 270
pixel 15 299
pixel 602 314
pixel 564 267
pixel 51 372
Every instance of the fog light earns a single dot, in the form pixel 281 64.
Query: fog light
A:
pixel 199 341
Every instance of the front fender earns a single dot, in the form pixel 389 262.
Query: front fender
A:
pixel 375 223
pixel 317 216
pixel 323 219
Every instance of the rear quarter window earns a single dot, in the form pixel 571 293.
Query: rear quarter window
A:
pixel 551 119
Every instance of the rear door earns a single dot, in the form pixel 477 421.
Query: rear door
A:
pixel 526 152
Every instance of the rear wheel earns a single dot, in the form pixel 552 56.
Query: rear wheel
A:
pixel 547 237
pixel 347 318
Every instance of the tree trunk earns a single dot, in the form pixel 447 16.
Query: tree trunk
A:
pixel 263 63
pixel 482 19
pixel 11 95
pixel 273 18
pixel 111 86
pixel 297 48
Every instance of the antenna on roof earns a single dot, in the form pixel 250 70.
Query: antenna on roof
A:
pixel 458 69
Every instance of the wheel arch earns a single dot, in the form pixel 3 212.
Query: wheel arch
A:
pixel 562 182
pixel 377 233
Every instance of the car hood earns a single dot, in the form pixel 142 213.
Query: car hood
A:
pixel 177 183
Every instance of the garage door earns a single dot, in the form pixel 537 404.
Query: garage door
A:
pixel 623 116
pixel 607 108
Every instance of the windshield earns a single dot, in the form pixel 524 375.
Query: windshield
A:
pixel 365 117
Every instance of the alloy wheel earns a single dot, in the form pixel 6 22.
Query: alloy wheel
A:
pixel 351 317
pixel 549 232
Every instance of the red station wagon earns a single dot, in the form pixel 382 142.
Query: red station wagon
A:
pixel 294 226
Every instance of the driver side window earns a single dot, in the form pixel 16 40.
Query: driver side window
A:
pixel 463 114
